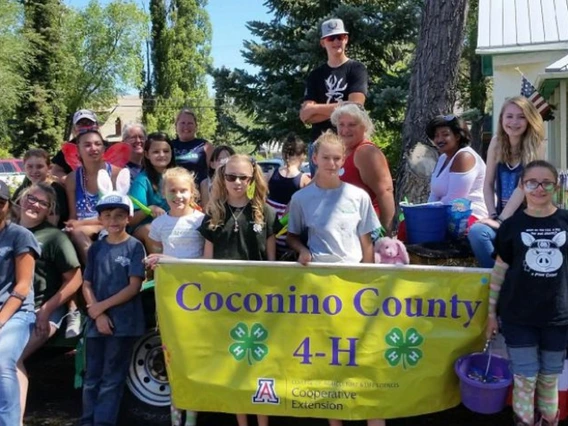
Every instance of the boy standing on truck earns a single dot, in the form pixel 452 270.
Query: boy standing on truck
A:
pixel 112 280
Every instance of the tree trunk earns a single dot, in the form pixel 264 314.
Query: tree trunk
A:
pixel 432 92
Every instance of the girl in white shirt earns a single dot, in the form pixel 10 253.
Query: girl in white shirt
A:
pixel 175 234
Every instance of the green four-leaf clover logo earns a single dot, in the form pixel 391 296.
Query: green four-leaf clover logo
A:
pixel 249 343
pixel 405 349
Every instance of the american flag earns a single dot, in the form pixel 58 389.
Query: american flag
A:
pixel 529 92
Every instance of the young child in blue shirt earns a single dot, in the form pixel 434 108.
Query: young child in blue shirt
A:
pixel 112 280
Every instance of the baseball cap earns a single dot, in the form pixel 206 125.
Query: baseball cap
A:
pixel 115 201
pixel 84 113
pixel 4 191
pixel 332 27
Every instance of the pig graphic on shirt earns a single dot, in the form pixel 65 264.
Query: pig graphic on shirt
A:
pixel 544 255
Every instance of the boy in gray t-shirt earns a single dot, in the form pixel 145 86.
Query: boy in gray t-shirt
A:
pixel 335 219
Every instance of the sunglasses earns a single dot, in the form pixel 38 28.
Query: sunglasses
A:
pixel 233 178
pixel 339 37
pixel 532 185
pixel 33 200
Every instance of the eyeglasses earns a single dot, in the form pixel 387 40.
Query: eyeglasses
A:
pixel 339 37
pixel 448 118
pixel 532 185
pixel 33 200
pixel 233 178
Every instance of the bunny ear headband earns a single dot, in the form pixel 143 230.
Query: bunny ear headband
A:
pixel 111 199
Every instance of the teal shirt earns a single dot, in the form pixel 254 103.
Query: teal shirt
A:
pixel 142 190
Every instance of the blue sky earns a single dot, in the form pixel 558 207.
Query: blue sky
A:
pixel 228 19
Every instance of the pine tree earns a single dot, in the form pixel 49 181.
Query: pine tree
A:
pixel 40 115
pixel 181 58
pixel 381 35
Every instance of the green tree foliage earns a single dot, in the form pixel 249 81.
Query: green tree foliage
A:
pixel 39 114
pixel 103 51
pixel 181 58
pixel 381 35
pixel 13 58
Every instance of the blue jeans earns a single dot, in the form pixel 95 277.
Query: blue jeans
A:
pixel 481 238
pixel 107 360
pixel 535 350
pixel 13 339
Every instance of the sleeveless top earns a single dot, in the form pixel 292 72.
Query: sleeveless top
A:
pixel 86 202
pixel 280 191
pixel 445 185
pixel 191 156
pixel 350 174
pixel 507 179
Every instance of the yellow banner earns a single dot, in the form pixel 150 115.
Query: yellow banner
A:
pixel 328 341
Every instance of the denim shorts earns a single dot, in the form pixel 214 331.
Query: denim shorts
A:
pixel 534 350
pixel 56 318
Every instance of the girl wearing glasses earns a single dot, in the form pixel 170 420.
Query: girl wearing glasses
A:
pixel 36 167
pixel 239 225
pixel 57 274
pixel 519 140
pixel 529 289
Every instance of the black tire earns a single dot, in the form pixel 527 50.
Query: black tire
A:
pixel 147 395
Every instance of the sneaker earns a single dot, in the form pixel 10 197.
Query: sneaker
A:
pixel 73 324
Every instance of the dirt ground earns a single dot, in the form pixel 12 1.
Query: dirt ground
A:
pixel 52 401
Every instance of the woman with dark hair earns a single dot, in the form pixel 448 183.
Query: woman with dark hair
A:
pixel 146 188
pixel 219 156
pixel 286 181
pixel 460 171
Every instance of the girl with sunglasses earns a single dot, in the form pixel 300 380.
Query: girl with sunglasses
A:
pixel 239 225
pixel 519 140
pixel 529 289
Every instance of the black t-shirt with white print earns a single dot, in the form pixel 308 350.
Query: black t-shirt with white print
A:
pixel 327 85
pixel 535 290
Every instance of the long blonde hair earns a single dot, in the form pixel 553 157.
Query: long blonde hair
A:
pixel 531 140
pixel 216 207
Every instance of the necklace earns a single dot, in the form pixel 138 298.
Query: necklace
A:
pixel 236 218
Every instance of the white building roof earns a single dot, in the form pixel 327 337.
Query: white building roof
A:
pixel 512 26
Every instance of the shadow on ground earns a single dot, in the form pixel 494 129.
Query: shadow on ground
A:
pixel 52 401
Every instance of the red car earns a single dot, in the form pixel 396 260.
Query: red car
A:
pixel 11 165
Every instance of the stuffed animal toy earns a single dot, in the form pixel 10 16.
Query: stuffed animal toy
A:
pixel 391 251
pixel 110 197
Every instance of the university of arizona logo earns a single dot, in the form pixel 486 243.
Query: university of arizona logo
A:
pixel 265 392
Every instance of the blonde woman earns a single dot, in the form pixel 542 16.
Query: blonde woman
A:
pixel 519 140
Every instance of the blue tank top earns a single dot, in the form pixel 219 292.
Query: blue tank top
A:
pixel 507 180
pixel 85 202
pixel 191 156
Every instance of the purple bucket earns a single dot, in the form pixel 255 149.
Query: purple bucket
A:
pixel 484 398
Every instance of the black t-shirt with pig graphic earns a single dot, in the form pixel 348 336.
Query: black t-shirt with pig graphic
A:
pixel 535 290
pixel 327 85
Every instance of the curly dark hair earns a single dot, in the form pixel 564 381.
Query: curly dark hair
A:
pixel 454 123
